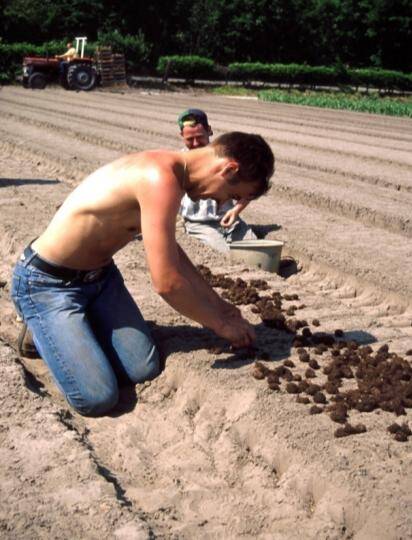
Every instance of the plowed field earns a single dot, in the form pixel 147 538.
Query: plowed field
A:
pixel 206 450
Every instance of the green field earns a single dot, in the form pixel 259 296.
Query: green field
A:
pixel 361 102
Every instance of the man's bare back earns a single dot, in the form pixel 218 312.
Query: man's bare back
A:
pixel 103 213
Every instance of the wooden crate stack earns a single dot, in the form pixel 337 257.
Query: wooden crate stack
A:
pixel 119 69
pixel 104 57
pixel 112 67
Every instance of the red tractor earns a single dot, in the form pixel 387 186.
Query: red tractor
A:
pixel 79 74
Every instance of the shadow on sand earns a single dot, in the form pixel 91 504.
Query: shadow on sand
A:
pixel 7 182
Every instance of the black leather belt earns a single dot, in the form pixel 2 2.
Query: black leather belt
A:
pixel 61 272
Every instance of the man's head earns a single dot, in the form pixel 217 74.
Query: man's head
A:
pixel 235 166
pixel 69 45
pixel 250 160
pixel 194 128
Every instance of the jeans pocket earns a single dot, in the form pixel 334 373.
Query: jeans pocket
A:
pixel 40 279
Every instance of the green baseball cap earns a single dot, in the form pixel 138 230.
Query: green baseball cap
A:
pixel 192 117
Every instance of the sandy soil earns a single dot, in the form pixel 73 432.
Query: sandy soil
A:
pixel 206 450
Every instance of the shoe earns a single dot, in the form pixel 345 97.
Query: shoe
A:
pixel 25 343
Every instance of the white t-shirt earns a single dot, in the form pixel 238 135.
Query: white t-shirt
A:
pixel 203 210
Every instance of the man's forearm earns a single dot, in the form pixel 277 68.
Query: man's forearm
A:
pixel 193 297
pixel 196 279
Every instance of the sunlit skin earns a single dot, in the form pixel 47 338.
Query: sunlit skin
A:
pixel 141 193
pixel 197 136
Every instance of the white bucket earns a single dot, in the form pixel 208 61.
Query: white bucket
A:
pixel 264 254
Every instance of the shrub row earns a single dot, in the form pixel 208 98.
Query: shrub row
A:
pixel 191 67
pixel 187 67
pixel 195 67
pixel 283 73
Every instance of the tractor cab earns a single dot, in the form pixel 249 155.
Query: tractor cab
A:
pixel 79 73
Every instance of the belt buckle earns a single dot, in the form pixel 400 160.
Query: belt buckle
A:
pixel 92 275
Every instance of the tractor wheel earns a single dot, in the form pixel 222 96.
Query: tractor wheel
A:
pixel 81 77
pixel 37 81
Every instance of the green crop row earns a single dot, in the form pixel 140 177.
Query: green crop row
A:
pixel 361 103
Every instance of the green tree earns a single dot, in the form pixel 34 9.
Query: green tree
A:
pixel 42 20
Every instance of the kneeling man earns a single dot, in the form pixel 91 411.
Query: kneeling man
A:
pixel 85 324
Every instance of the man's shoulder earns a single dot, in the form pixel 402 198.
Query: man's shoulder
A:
pixel 163 161
pixel 156 169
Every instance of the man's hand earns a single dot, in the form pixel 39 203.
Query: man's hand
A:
pixel 239 332
pixel 231 215
pixel 229 218
pixel 234 327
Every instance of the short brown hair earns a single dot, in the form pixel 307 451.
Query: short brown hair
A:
pixel 252 153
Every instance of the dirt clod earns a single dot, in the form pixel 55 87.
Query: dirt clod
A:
pixel 315 410
pixel 319 397
pixel 348 429
pixel 259 371
pixel 292 388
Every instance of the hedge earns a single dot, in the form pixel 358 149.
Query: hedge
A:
pixel 188 67
pixel 380 78
pixel 192 67
pixel 283 73
pixel 198 67
pixel 295 74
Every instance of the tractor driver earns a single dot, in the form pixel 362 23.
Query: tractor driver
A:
pixel 66 58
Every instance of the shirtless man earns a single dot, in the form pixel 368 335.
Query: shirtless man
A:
pixel 70 293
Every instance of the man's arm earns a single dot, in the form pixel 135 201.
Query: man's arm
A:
pixel 231 215
pixel 71 53
pixel 173 275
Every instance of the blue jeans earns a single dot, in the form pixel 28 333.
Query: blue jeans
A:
pixel 91 335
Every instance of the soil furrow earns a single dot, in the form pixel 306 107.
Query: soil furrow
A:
pixel 391 182
pixel 206 450
pixel 121 142
pixel 148 106
pixel 364 214
pixel 324 160
pixel 335 241
pixel 79 156
pixel 106 118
